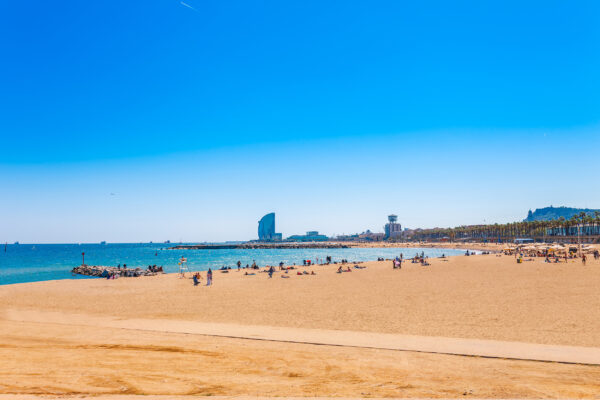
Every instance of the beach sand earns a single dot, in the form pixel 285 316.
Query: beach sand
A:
pixel 478 297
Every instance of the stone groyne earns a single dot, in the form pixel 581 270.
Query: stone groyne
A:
pixel 311 245
pixel 105 272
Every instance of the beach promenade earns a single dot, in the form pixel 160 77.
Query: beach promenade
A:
pixel 368 340
pixel 479 326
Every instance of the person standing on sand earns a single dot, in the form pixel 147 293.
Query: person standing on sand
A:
pixel 583 259
pixel 271 270
pixel 209 277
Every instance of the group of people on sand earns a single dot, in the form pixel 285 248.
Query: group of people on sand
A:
pixel 198 278
pixel 397 262
pixel 421 259
pixel 552 256
pixel 154 268
pixel 271 269
pixel 356 266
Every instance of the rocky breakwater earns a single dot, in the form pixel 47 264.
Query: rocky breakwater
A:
pixel 106 272
pixel 251 245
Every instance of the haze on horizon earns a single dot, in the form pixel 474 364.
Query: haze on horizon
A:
pixel 130 122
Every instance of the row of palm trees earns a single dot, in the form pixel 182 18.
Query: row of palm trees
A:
pixel 582 224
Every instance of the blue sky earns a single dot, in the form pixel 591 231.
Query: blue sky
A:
pixel 202 116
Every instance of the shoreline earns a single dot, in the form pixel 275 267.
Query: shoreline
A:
pixel 60 265
pixel 144 273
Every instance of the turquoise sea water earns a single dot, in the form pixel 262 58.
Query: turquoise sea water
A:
pixel 42 262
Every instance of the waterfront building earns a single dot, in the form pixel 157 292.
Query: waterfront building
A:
pixel 266 229
pixel 393 229
pixel 311 236
pixel 369 236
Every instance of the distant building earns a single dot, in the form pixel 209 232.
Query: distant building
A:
pixel 393 229
pixel 266 229
pixel 346 238
pixel 311 236
pixel 369 236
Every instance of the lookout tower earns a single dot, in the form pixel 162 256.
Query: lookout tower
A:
pixel 393 229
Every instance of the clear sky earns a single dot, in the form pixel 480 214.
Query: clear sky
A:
pixel 132 121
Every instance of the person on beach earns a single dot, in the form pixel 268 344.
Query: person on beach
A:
pixel 196 278
pixel 583 259
pixel 209 276
pixel 271 270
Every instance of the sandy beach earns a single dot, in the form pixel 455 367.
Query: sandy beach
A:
pixel 485 297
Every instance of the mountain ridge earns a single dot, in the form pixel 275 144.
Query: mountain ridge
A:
pixel 552 213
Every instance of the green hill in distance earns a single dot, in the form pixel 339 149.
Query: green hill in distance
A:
pixel 551 213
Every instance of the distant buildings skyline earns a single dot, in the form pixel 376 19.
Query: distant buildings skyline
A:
pixel 266 232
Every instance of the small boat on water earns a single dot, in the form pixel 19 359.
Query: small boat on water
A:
pixel 103 242
pixel 17 243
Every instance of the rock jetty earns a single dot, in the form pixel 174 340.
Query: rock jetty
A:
pixel 311 245
pixel 104 272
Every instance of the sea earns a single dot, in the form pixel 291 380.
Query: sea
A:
pixel 20 263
